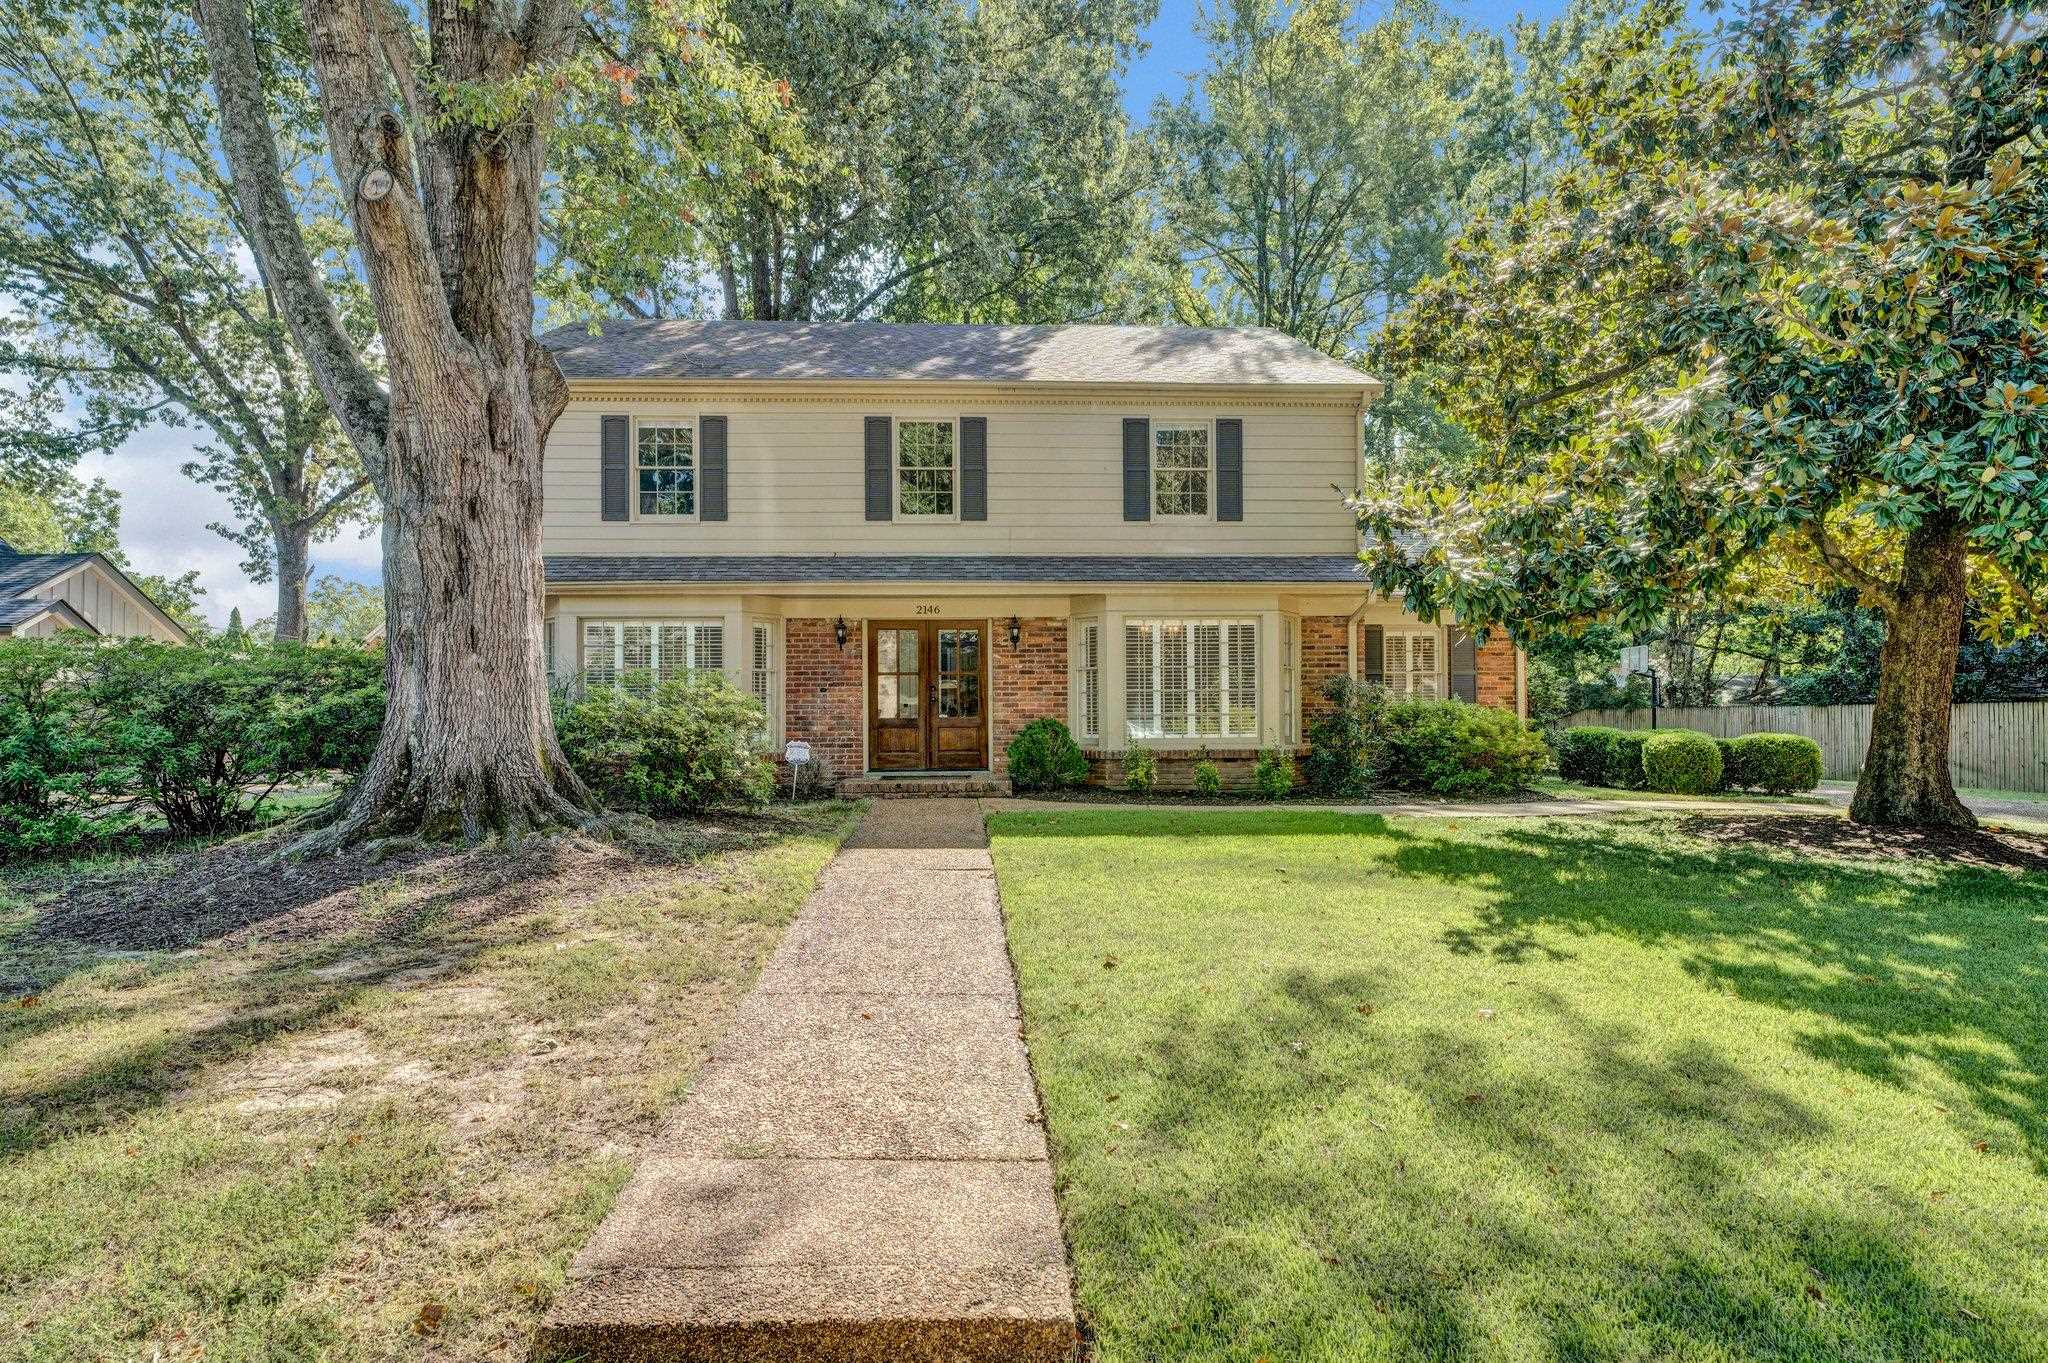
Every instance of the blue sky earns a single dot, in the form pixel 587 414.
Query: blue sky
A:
pixel 164 516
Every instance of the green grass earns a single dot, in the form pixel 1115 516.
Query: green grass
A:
pixel 1350 1087
pixel 382 1141
pixel 2032 797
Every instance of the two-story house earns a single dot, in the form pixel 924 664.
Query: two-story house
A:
pixel 911 540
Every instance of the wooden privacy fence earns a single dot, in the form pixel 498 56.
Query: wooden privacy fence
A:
pixel 2002 745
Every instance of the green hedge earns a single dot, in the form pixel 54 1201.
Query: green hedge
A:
pixel 1044 756
pixel 1585 753
pixel 684 745
pixel 1681 761
pixel 1452 747
pixel 1778 763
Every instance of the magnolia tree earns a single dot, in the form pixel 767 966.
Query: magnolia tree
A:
pixel 438 123
pixel 1787 309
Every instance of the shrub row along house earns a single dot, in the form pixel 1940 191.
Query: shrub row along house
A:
pixel 909 541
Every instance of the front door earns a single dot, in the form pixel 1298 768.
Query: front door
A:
pixel 928 685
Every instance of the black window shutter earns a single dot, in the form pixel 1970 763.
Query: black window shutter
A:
pixel 1230 468
pixel 879 436
pixel 1137 469
pixel 615 434
pixel 711 468
pixel 973 468
pixel 1464 666
pixel 1375 667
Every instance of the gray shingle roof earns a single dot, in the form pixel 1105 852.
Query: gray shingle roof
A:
pixel 25 572
pixel 725 569
pixel 937 352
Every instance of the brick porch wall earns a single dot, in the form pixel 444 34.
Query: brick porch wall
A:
pixel 1323 656
pixel 1026 682
pixel 1495 668
pixel 821 691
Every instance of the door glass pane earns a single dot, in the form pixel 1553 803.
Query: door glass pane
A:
pixel 970 650
pixel 885 651
pixel 949 651
pixel 885 695
pixel 906 650
pixel 969 696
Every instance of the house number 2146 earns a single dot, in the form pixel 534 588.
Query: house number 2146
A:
pixel 926 610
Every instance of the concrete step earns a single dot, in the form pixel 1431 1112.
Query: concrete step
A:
pixel 925 785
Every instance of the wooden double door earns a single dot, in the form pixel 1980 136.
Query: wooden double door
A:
pixel 927 695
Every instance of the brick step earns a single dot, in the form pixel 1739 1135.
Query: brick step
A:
pixel 924 786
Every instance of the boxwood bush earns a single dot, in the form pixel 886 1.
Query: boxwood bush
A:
pixel 1452 747
pixel 1344 741
pixel 1778 763
pixel 1625 759
pixel 1208 780
pixel 1681 761
pixel 1141 769
pixel 683 745
pixel 1044 756
pixel 1273 776
pixel 1585 753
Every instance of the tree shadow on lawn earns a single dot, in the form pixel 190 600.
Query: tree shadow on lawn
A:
pixel 149 1022
pixel 1518 1221
pixel 1895 962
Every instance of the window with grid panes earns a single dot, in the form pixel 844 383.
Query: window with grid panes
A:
pixel 1191 678
pixel 924 468
pixel 1180 470
pixel 665 457
pixel 643 653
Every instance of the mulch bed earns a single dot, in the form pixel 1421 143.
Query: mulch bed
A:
pixel 1994 848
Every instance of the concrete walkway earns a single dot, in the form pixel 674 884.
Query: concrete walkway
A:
pixel 860 1171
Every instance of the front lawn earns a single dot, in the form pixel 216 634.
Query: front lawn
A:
pixel 353 1109
pixel 1327 1086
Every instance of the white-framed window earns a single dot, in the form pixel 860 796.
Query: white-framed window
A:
pixel 927 469
pixel 761 673
pixel 1411 661
pixel 1180 470
pixel 1290 669
pixel 1085 656
pixel 638 653
pixel 1191 678
pixel 547 648
pixel 665 469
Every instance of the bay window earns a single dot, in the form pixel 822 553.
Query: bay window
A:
pixel 641 653
pixel 1191 679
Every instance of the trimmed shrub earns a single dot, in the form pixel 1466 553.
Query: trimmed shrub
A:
pixel 1273 777
pixel 1452 747
pixel 688 744
pixel 201 733
pixel 1728 762
pixel 1681 761
pixel 1344 742
pixel 1208 780
pixel 1584 754
pixel 1625 759
pixel 1778 763
pixel 1044 756
pixel 1141 769
pixel 57 789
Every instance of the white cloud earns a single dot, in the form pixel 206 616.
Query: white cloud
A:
pixel 164 516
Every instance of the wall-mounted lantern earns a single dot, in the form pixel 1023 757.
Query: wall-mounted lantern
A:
pixel 839 631
pixel 1016 631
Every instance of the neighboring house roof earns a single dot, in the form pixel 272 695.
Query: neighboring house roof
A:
pixel 883 352
pixel 582 569
pixel 21 574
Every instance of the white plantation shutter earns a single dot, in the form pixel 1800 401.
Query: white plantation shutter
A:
pixel 707 648
pixel 1396 663
pixel 600 653
pixel 1288 706
pixel 1241 716
pixel 675 651
pixel 1141 681
pixel 1422 666
pixel 1206 685
pixel 1191 678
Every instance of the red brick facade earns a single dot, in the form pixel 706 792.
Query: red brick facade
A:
pixel 822 687
pixel 1025 682
pixel 1495 666
pixel 1323 656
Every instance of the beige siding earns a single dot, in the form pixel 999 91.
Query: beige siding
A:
pixel 1055 481
pixel 96 595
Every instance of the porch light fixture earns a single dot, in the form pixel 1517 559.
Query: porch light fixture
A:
pixel 1016 632
pixel 839 631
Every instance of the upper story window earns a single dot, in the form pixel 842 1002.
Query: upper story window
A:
pixel 665 468
pixel 927 469
pixel 1180 470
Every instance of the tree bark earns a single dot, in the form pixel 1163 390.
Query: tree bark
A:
pixel 448 244
pixel 1905 778
pixel 294 552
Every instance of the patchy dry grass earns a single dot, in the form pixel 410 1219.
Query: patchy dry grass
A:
pixel 374 1116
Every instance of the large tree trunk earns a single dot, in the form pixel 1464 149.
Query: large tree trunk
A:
pixel 1905 776
pixel 294 549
